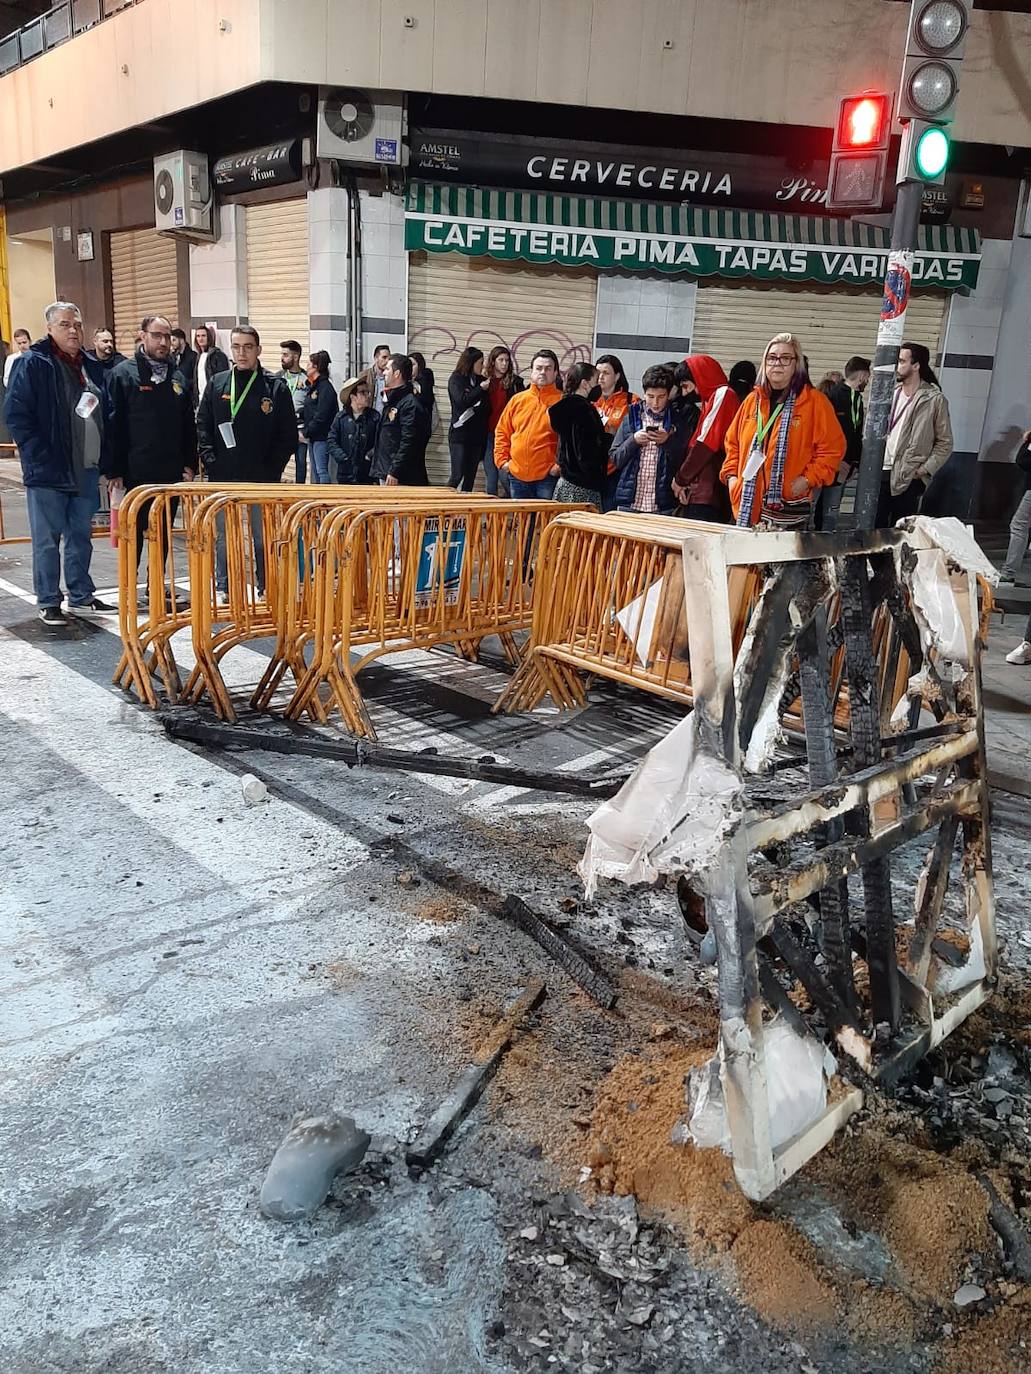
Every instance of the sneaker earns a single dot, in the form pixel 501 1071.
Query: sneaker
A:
pixel 53 615
pixel 1006 580
pixel 94 606
pixel 222 599
pixel 1021 654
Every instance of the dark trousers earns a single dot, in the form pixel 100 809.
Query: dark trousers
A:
pixel 891 509
pixel 143 519
pixel 466 457
pixel 697 511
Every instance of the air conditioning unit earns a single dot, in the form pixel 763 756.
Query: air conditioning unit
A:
pixel 355 126
pixel 182 195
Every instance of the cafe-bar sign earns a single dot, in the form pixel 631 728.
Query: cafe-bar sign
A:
pixel 731 179
pixel 274 164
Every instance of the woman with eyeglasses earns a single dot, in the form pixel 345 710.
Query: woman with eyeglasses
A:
pixel 783 445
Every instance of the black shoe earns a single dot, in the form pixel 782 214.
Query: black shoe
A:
pixel 94 606
pixel 53 615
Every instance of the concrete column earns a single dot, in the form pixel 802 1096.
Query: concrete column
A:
pixel 328 276
pixel 218 275
pixel 385 273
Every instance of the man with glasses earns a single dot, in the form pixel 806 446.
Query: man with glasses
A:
pixel 247 432
pixel 151 434
pixel 54 413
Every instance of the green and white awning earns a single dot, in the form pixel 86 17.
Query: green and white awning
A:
pixel 639 236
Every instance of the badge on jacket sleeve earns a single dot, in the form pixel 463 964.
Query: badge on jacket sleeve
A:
pixel 266 406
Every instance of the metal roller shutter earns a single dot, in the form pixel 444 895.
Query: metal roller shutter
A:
pixel 734 322
pixel 455 301
pixel 277 275
pixel 144 281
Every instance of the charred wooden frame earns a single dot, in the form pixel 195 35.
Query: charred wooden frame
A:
pixel 866 799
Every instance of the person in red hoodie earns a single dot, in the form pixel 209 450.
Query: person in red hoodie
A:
pixel 697 484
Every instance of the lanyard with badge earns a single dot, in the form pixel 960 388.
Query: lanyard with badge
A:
pixel 757 453
pixel 857 406
pixel 89 400
pixel 225 429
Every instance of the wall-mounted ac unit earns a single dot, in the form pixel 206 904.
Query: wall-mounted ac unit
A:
pixel 356 126
pixel 182 195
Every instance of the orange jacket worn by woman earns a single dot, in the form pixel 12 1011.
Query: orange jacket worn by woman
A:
pixel 784 443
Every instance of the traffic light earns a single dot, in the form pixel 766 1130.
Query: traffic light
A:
pixel 935 42
pixel 859 154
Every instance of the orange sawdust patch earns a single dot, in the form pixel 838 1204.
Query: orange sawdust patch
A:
pixel 932 1213
pixel 996 1343
pixel 442 911
pixel 781 1275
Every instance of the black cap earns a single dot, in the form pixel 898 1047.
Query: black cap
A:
pixel 291 344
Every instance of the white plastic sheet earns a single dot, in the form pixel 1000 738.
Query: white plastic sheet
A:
pixel 671 815
pixel 797 1072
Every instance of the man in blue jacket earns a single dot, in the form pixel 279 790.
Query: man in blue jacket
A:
pixel 54 412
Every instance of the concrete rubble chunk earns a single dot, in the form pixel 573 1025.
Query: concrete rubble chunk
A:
pixel 313 1152
pixel 968 1294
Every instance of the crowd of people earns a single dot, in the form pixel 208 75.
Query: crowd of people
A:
pixel 760 447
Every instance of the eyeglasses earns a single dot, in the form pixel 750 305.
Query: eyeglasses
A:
pixel 780 359
pixel 363 392
pixel 159 334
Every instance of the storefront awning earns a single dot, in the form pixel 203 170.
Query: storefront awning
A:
pixel 638 236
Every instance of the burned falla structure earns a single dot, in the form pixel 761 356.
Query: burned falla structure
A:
pixel 868 650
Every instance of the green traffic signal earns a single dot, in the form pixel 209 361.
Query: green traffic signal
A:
pixel 932 153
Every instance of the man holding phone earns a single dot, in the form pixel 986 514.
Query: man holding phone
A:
pixel 649 448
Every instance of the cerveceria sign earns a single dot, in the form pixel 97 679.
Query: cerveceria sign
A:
pixel 697 178
pixel 664 238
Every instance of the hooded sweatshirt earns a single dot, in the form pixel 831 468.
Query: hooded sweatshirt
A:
pixel 699 473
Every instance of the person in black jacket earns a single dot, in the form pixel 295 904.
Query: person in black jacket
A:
pixel 246 432
pixel 583 445
pixel 210 359
pixel 150 428
pixel 103 357
pixel 352 437
pixel 184 359
pixel 319 411
pixel 847 399
pixel 423 384
pixel 467 391
pixel 404 430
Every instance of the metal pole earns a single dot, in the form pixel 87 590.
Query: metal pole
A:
pixel 890 336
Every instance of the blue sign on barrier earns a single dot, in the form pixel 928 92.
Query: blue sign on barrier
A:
pixel 441 561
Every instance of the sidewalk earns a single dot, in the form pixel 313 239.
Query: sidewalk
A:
pixel 1007 708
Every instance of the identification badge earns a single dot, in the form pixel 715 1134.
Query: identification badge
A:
pixel 87 405
pixel 756 458
pixel 225 429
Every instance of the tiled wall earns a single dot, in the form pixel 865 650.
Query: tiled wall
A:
pixel 327 277
pixel 644 320
pixel 384 272
pixel 970 344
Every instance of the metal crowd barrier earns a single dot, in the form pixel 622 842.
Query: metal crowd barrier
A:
pixel 388 571
pixel 610 603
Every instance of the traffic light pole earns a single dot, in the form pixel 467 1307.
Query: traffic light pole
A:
pixel 904 224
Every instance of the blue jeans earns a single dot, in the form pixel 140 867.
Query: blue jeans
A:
pixel 541 490
pixel 56 515
pixel 319 459
pixel 301 462
pixel 490 472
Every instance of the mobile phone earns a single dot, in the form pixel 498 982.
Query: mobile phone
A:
pixel 651 429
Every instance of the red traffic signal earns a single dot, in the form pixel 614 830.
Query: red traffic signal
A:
pixel 859 155
pixel 864 121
